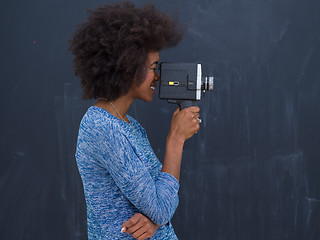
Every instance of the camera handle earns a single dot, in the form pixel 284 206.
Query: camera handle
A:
pixel 183 103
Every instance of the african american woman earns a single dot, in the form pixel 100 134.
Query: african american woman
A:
pixel 129 193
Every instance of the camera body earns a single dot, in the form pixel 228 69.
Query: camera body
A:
pixel 183 84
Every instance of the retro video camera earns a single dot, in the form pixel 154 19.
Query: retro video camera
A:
pixel 183 84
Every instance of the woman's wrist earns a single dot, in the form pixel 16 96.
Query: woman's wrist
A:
pixel 175 139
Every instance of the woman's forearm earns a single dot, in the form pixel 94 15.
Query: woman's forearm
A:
pixel 173 155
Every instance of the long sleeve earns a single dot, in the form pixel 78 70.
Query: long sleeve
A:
pixel 155 198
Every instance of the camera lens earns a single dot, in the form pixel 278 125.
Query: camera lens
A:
pixel 207 84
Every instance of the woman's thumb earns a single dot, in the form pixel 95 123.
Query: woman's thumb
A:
pixel 176 111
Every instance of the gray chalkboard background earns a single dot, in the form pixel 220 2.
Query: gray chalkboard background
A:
pixel 251 173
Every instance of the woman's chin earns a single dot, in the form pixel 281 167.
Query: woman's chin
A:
pixel 148 100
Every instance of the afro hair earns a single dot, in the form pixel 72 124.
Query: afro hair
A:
pixel 111 48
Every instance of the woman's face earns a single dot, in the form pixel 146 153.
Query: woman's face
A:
pixel 146 90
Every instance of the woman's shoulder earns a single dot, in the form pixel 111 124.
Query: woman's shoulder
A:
pixel 98 116
pixel 98 120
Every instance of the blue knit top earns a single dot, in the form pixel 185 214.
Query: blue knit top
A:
pixel 122 176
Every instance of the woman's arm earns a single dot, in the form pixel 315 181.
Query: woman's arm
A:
pixel 184 124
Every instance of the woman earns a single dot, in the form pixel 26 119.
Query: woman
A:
pixel 129 193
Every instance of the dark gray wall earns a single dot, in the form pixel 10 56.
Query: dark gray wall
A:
pixel 252 171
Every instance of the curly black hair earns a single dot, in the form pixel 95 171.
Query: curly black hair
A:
pixel 112 46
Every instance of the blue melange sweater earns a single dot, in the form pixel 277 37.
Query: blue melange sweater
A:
pixel 121 176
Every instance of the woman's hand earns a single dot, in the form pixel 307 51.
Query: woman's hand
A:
pixel 185 123
pixel 140 227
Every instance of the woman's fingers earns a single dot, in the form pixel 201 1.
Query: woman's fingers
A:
pixel 136 225
pixel 185 123
pixel 131 222
pixel 196 115
pixel 135 229
pixel 193 126
pixel 138 234
pixel 144 236
pixel 140 227
pixel 194 109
